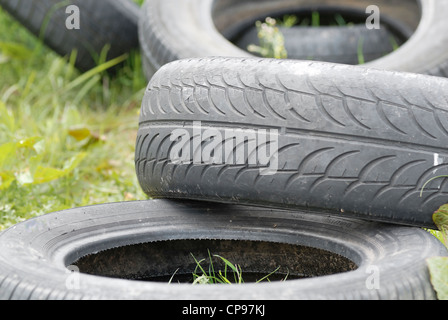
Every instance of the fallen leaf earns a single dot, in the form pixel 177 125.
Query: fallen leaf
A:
pixel 6 178
pixel 440 218
pixel 47 174
pixel 80 133
pixel 7 153
pixel 438 268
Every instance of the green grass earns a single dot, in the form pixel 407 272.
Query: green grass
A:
pixel 232 273
pixel 272 40
pixel 66 139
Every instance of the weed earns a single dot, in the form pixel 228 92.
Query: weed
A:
pixel 272 42
pixel 438 266
pixel 232 273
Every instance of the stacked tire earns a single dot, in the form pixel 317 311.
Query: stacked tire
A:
pixel 329 159
pixel 331 138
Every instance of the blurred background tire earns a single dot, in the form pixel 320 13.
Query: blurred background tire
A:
pixel 330 44
pixel 176 29
pixel 104 24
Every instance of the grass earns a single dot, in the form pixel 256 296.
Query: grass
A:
pixel 272 40
pixel 66 139
pixel 232 274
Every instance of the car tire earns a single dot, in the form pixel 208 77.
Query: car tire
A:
pixel 102 23
pixel 283 133
pixel 176 29
pixel 93 252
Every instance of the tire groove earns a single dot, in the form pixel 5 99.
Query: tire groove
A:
pixel 304 132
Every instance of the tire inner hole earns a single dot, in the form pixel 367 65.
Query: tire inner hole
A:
pixel 392 34
pixel 174 261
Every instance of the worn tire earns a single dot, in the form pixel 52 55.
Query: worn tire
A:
pixel 105 22
pixel 350 140
pixel 329 44
pixel 118 241
pixel 176 29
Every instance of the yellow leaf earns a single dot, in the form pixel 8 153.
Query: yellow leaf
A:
pixel 46 174
pixel 80 133
pixel 6 178
pixel 7 153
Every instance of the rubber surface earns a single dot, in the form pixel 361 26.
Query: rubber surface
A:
pixel 177 29
pixel 336 138
pixel 36 255
pixel 102 23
